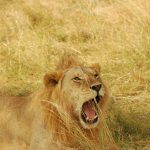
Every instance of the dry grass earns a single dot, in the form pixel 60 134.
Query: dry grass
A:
pixel 115 33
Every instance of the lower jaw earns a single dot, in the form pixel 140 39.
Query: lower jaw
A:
pixel 86 125
pixel 89 121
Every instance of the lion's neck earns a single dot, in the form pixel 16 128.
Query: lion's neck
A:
pixel 65 130
pixel 67 133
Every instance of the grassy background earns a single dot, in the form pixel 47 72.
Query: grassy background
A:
pixel 115 33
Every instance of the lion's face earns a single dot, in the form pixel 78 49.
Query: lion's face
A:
pixel 82 92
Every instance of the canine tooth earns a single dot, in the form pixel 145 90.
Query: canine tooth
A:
pixel 87 118
pixel 95 116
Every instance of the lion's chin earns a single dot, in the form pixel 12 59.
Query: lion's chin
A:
pixel 89 116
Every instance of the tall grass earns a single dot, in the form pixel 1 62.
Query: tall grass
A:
pixel 115 33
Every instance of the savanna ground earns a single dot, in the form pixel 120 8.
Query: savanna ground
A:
pixel 115 33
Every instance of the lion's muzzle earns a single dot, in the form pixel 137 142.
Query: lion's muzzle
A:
pixel 89 113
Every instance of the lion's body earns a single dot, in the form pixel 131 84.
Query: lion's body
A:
pixel 16 119
pixel 13 115
pixel 49 120
pixel 22 121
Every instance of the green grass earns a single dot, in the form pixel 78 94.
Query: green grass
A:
pixel 114 33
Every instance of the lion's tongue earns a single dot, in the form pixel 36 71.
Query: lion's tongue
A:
pixel 89 110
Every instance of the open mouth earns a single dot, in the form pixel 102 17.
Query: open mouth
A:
pixel 89 112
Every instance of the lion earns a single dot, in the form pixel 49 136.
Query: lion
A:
pixel 66 114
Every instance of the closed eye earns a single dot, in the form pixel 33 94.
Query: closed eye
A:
pixel 77 78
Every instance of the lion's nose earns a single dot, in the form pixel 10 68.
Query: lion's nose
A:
pixel 96 87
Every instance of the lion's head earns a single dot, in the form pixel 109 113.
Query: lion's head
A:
pixel 79 91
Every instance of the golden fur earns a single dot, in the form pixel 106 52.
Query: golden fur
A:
pixel 50 119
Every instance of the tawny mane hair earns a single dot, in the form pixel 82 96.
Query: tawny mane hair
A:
pixel 67 131
pixel 53 118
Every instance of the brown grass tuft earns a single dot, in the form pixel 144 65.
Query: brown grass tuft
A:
pixel 115 33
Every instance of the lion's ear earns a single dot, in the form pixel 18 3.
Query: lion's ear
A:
pixel 51 79
pixel 96 67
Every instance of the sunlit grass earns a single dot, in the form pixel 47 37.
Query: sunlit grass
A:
pixel 115 33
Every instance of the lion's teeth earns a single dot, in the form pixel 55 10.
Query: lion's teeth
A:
pixel 95 116
pixel 87 118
